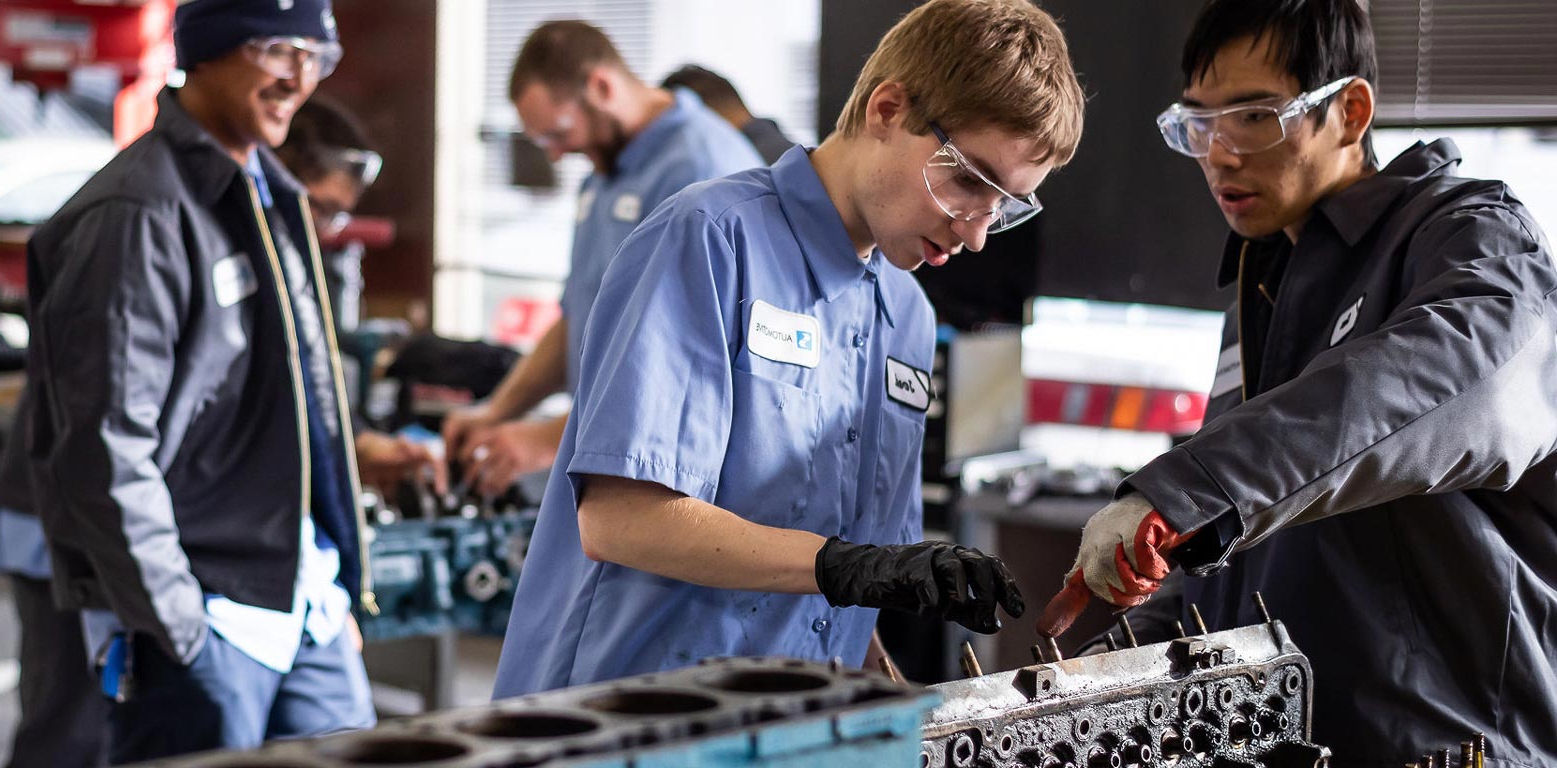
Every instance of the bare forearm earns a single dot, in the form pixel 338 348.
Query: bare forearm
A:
pixel 650 528
pixel 539 375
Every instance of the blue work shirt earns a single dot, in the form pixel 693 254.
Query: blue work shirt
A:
pixel 686 143
pixel 744 355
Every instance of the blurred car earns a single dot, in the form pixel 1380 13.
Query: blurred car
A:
pixel 1111 386
pixel 37 175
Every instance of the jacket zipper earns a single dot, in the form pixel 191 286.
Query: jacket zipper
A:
pixel 279 278
pixel 367 598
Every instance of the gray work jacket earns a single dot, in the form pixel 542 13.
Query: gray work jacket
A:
pixel 166 429
pixel 1385 412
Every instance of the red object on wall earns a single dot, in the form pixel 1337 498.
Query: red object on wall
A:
pixel 521 321
pixel 44 41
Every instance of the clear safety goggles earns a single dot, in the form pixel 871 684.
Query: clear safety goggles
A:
pixel 362 165
pixel 287 57
pixel 964 193
pixel 1243 129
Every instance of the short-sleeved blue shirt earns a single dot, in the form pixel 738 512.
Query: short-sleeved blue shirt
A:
pixel 740 353
pixel 687 143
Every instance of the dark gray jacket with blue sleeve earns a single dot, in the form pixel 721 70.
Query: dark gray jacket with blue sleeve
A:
pixel 166 429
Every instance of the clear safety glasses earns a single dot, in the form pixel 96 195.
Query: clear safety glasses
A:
pixel 288 57
pixel 966 194
pixel 1243 129
pixel 362 165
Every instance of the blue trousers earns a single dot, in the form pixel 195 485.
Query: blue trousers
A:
pixel 226 700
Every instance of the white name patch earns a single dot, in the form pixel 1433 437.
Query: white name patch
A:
pixel 627 208
pixel 1347 321
pixel 1229 371
pixel 233 280
pixel 908 385
pixel 784 337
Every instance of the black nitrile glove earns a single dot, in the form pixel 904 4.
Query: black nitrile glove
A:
pixel 931 578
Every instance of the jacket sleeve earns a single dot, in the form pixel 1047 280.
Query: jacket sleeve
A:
pixel 110 329
pixel 1452 392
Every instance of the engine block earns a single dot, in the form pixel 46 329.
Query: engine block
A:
pixel 1234 699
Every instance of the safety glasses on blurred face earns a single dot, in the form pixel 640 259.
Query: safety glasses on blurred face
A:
pixel 1243 129
pixel 362 165
pixel 287 57
pixel 965 194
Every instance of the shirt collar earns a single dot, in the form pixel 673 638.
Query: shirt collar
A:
pixel 1354 211
pixel 645 146
pixel 824 242
pixel 257 173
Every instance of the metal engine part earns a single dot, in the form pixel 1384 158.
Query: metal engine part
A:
pixel 1234 699
pixel 726 712
pixel 448 571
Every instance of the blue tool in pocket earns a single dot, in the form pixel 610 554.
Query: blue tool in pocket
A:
pixel 114 662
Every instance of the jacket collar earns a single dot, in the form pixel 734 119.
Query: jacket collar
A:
pixel 1354 211
pixel 206 163
pixel 824 241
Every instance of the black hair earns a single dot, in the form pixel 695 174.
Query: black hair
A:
pixel 714 90
pixel 1315 41
pixel 318 127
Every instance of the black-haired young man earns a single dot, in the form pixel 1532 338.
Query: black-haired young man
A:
pixel 1385 381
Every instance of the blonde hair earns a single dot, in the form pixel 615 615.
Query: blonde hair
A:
pixel 978 62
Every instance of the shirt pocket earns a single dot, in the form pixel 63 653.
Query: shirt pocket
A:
pixel 898 462
pixel 773 436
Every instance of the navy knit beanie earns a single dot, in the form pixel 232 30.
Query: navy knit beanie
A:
pixel 208 29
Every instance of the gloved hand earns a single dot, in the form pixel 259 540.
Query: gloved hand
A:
pixel 930 578
pixel 1121 560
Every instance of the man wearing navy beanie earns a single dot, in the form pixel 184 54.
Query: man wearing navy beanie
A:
pixel 187 438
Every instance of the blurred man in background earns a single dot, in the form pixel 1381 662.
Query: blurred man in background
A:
pixel 575 95
pixel 721 97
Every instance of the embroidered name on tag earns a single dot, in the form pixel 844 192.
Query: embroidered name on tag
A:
pixel 908 385
pixel 784 337
pixel 1347 321
pixel 1229 371
pixel 233 280
pixel 627 208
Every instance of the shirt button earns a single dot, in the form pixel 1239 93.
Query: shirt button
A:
pixel 859 341
pixel 854 434
pixel 819 626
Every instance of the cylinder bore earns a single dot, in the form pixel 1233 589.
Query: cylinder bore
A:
pixel 1194 701
pixel 1226 695
pixel 1293 682
pixel 397 750
pixel 963 751
pixel 528 725
pixel 650 701
pixel 769 681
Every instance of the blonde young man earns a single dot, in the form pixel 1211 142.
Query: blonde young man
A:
pixel 740 475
